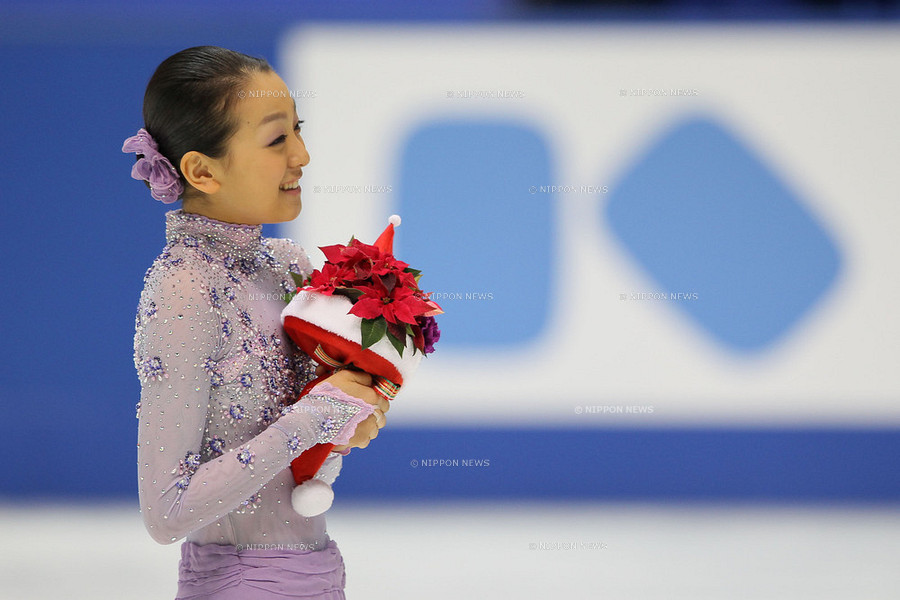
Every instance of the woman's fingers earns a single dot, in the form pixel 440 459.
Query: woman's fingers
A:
pixel 360 377
pixel 354 383
pixel 358 384
pixel 366 431
pixel 364 393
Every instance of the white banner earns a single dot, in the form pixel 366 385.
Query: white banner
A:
pixel 815 106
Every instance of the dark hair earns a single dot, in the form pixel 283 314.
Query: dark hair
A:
pixel 189 99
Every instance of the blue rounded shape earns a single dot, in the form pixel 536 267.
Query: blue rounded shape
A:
pixel 706 218
pixel 483 241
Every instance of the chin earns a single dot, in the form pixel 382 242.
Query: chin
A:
pixel 290 213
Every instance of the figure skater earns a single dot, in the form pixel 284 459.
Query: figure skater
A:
pixel 218 425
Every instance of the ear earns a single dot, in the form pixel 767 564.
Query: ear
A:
pixel 200 171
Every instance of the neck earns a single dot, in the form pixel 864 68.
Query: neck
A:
pixel 199 230
pixel 211 210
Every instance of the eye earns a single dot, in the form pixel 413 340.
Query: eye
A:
pixel 281 138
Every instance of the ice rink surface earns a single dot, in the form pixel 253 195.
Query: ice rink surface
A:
pixel 498 550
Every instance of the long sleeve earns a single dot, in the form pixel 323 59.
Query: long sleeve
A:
pixel 206 445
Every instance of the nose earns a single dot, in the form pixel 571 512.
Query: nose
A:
pixel 299 157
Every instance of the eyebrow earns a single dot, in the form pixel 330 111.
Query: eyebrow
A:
pixel 278 115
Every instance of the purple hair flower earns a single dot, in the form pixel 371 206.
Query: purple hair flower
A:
pixel 153 167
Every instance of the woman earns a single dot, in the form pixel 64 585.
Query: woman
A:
pixel 217 427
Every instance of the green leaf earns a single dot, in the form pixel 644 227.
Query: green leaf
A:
pixel 372 331
pixel 351 293
pixel 398 331
pixel 397 344
pixel 416 272
pixel 299 280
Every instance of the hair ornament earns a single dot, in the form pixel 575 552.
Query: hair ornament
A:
pixel 153 167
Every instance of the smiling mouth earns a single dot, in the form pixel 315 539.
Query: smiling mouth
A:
pixel 289 186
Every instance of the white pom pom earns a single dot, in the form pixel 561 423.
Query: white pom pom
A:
pixel 312 497
pixel 395 220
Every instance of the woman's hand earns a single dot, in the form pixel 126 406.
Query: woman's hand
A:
pixel 359 384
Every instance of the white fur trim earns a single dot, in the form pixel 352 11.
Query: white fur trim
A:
pixel 331 313
pixel 312 497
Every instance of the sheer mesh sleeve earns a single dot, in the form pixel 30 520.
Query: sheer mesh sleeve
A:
pixel 178 333
pixel 292 255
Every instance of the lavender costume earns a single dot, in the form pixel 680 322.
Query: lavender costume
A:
pixel 216 433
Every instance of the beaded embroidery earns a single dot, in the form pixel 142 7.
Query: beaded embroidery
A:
pixel 337 415
pixel 250 505
pixel 266 415
pixel 152 368
pixel 214 363
pixel 186 468
pixel 216 445
pixel 233 412
pixel 245 457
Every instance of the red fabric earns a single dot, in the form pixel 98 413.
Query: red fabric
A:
pixel 305 466
pixel 385 241
pixel 308 336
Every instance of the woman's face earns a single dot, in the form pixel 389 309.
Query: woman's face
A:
pixel 264 156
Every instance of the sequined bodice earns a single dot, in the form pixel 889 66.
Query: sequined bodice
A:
pixel 216 371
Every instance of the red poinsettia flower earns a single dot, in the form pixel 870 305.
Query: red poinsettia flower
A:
pixel 381 288
pixel 407 280
pixel 384 298
pixel 330 278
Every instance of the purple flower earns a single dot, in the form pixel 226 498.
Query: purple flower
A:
pixel 430 332
pixel 153 167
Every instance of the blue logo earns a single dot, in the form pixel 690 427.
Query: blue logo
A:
pixel 704 216
pixel 483 241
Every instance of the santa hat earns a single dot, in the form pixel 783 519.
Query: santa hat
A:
pixel 322 325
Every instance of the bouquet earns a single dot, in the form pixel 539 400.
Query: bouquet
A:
pixel 363 309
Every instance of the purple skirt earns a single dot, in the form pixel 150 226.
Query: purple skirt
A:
pixel 216 572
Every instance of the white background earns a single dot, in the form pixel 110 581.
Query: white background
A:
pixel 818 104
